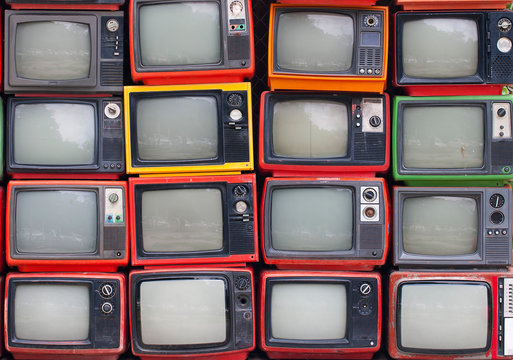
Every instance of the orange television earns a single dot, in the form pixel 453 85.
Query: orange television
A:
pixel 328 47
pixel 190 41
pixel 66 225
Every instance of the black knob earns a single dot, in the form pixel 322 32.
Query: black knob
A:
pixel 235 99
pixel 369 194
pixel 501 112
pixel 375 121
pixel 240 191
pixel 107 308
pixel 497 218
pixel 242 283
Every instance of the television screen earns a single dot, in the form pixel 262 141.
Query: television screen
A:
pixel 452 317
pixel 192 311
pixel 55 51
pixel 178 42
pixel 54 134
pixel 52 312
pixel 319 314
pixel 188 128
pixel 328 46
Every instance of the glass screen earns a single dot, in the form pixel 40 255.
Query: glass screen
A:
pixel 310 129
pixel 54 134
pixel 53 50
pixel 443 137
pixel 440 48
pixel 184 33
pixel 312 219
pixel 440 225
pixel 308 311
pixel 183 312
pixel 314 41
pixel 52 312
pixel 182 220
pixel 444 316
pixel 177 128
pixel 56 222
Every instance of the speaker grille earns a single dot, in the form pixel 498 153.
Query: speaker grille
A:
pixel 502 69
pixel 370 57
pixel 370 147
pixel 111 73
pixel 371 237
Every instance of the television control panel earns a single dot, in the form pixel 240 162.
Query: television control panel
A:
pixel 500 47
pixel 370 47
pixel 113 147
pixel 114 225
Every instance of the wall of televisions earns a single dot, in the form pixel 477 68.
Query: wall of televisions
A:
pixel 233 179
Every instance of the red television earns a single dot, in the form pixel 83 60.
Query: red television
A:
pixel 320 314
pixel 324 133
pixel 192 313
pixel 450 315
pixel 63 51
pixel 65 316
pixel 59 4
pixel 73 138
pixel 459 52
pixel 325 223
pixel 191 41
pixel 193 220
pixel 62 225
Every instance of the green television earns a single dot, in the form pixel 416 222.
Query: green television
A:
pixel 452 140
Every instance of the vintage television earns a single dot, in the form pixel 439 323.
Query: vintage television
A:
pixel 316 133
pixel 188 128
pixel 193 220
pixel 191 41
pixel 52 137
pixel 453 52
pixel 452 227
pixel 192 313
pixel 450 315
pixel 437 140
pixel 451 4
pixel 328 47
pixel 325 223
pixel 320 314
pixel 65 315
pixel 64 225
pixel 59 4
pixel 63 52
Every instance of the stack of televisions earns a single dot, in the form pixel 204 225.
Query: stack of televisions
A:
pixel 163 256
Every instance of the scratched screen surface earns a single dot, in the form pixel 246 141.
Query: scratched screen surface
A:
pixel 443 137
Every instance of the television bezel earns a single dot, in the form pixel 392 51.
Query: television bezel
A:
pixel 491 278
pixel 65 349
pixel 477 259
pixel 191 272
pixel 451 4
pixel 427 175
pixel 84 171
pixel 187 166
pixel 65 262
pixel 326 81
pixel 315 349
pixel 222 256
pixel 58 5
pixel 334 166
pixel 189 74
pixel 326 260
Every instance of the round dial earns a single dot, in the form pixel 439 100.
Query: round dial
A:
pixel 496 200
pixel 240 191
pixel 497 218
pixel 112 110
pixel 113 197
pixel 112 25
pixel 235 99
pixel 236 8
pixel 242 283
pixel 504 24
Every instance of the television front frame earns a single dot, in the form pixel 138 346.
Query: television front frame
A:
pixel 70 350
pixel 241 281
pixel 350 80
pixel 238 69
pixel 487 80
pixel 361 108
pixel 358 258
pixel 498 327
pixel 58 5
pixel 224 256
pixel 475 176
pixel 106 55
pixel 194 166
pixel 358 285
pixel 97 261
pixel 107 128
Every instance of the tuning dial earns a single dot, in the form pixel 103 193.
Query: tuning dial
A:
pixel 107 308
pixel 504 24
pixel 501 112
pixel 240 191
pixel 375 121
pixel 242 283
pixel 112 110
pixel 107 290
pixel 365 288
pixel 369 194
pixel 112 25
pixel 236 7
pixel 113 198
pixel 497 217
pixel 235 99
